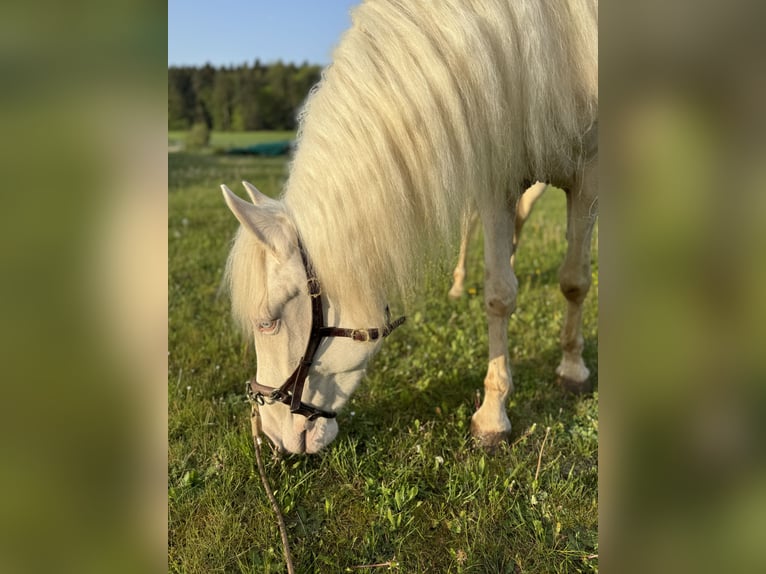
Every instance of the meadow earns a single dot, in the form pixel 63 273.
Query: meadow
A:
pixel 224 140
pixel 403 486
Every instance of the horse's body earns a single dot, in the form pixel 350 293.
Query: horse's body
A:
pixel 428 109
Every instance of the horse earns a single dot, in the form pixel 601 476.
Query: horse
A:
pixel 523 210
pixel 428 110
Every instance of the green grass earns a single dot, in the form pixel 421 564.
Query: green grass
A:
pixel 403 481
pixel 234 139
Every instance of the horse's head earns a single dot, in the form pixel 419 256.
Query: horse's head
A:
pixel 269 283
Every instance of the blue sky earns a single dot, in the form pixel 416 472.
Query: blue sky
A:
pixel 225 32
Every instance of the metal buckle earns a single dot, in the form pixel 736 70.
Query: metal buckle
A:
pixel 315 289
pixel 259 398
pixel 361 335
pixel 254 397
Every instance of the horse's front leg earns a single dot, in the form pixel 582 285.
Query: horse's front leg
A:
pixel 490 424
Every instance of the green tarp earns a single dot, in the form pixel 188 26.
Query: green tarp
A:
pixel 271 149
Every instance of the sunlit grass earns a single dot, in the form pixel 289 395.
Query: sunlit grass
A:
pixel 402 483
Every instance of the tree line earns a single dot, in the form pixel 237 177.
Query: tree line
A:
pixel 238 98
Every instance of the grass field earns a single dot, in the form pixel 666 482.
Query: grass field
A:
pixel 234 139
pixel 402 485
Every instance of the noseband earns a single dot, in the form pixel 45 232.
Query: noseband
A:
pixel 290 393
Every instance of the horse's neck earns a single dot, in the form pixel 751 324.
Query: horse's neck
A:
pixel 344 305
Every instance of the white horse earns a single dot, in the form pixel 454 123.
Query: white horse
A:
pixel 429 109
pixel 523 211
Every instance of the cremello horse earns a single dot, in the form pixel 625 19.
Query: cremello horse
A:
pixel 523 211
pixel 429 109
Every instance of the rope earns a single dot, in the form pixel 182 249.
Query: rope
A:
pixel 255 420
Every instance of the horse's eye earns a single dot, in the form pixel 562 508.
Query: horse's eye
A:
pixel 269 327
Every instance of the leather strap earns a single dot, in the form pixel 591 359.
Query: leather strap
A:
pixel 362 335
pixel 291 392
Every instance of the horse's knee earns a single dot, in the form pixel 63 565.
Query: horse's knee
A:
pixel 501 302
pixel 500 307
pixel 574 285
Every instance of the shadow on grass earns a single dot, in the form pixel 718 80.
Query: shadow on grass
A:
pixel 537 398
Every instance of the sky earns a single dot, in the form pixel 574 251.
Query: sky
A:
pixel 224 32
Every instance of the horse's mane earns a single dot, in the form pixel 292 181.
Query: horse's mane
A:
pixel 245 278
pixel 428 105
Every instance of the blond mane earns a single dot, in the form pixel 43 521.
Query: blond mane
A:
pixel 427 106
pixel 245 278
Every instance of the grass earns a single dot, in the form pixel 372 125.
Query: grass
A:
pixel 402 484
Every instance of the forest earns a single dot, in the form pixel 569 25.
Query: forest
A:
pixel 239 98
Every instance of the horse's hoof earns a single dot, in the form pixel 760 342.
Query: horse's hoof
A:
pixel 490 440
pixel 455 294
pixel 575 387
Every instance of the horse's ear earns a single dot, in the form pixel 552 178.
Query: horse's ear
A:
pixel 267 223
pixel 255 195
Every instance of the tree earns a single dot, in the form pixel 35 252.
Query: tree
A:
pixel 223 100
pixel 181 98
pixel 198 137
pixel 239 98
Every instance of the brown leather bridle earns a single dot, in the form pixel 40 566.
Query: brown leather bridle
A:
pixel 290 393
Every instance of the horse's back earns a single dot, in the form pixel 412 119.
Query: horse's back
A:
pixel 524 75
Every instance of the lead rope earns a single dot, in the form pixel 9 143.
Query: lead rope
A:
pixel 255 423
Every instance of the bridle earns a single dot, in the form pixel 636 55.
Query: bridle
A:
pixel 290 393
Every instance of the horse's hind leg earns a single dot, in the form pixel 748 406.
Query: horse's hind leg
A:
pixel 458 275
pixel 575 280
pixel 523 210
pixel 490 424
